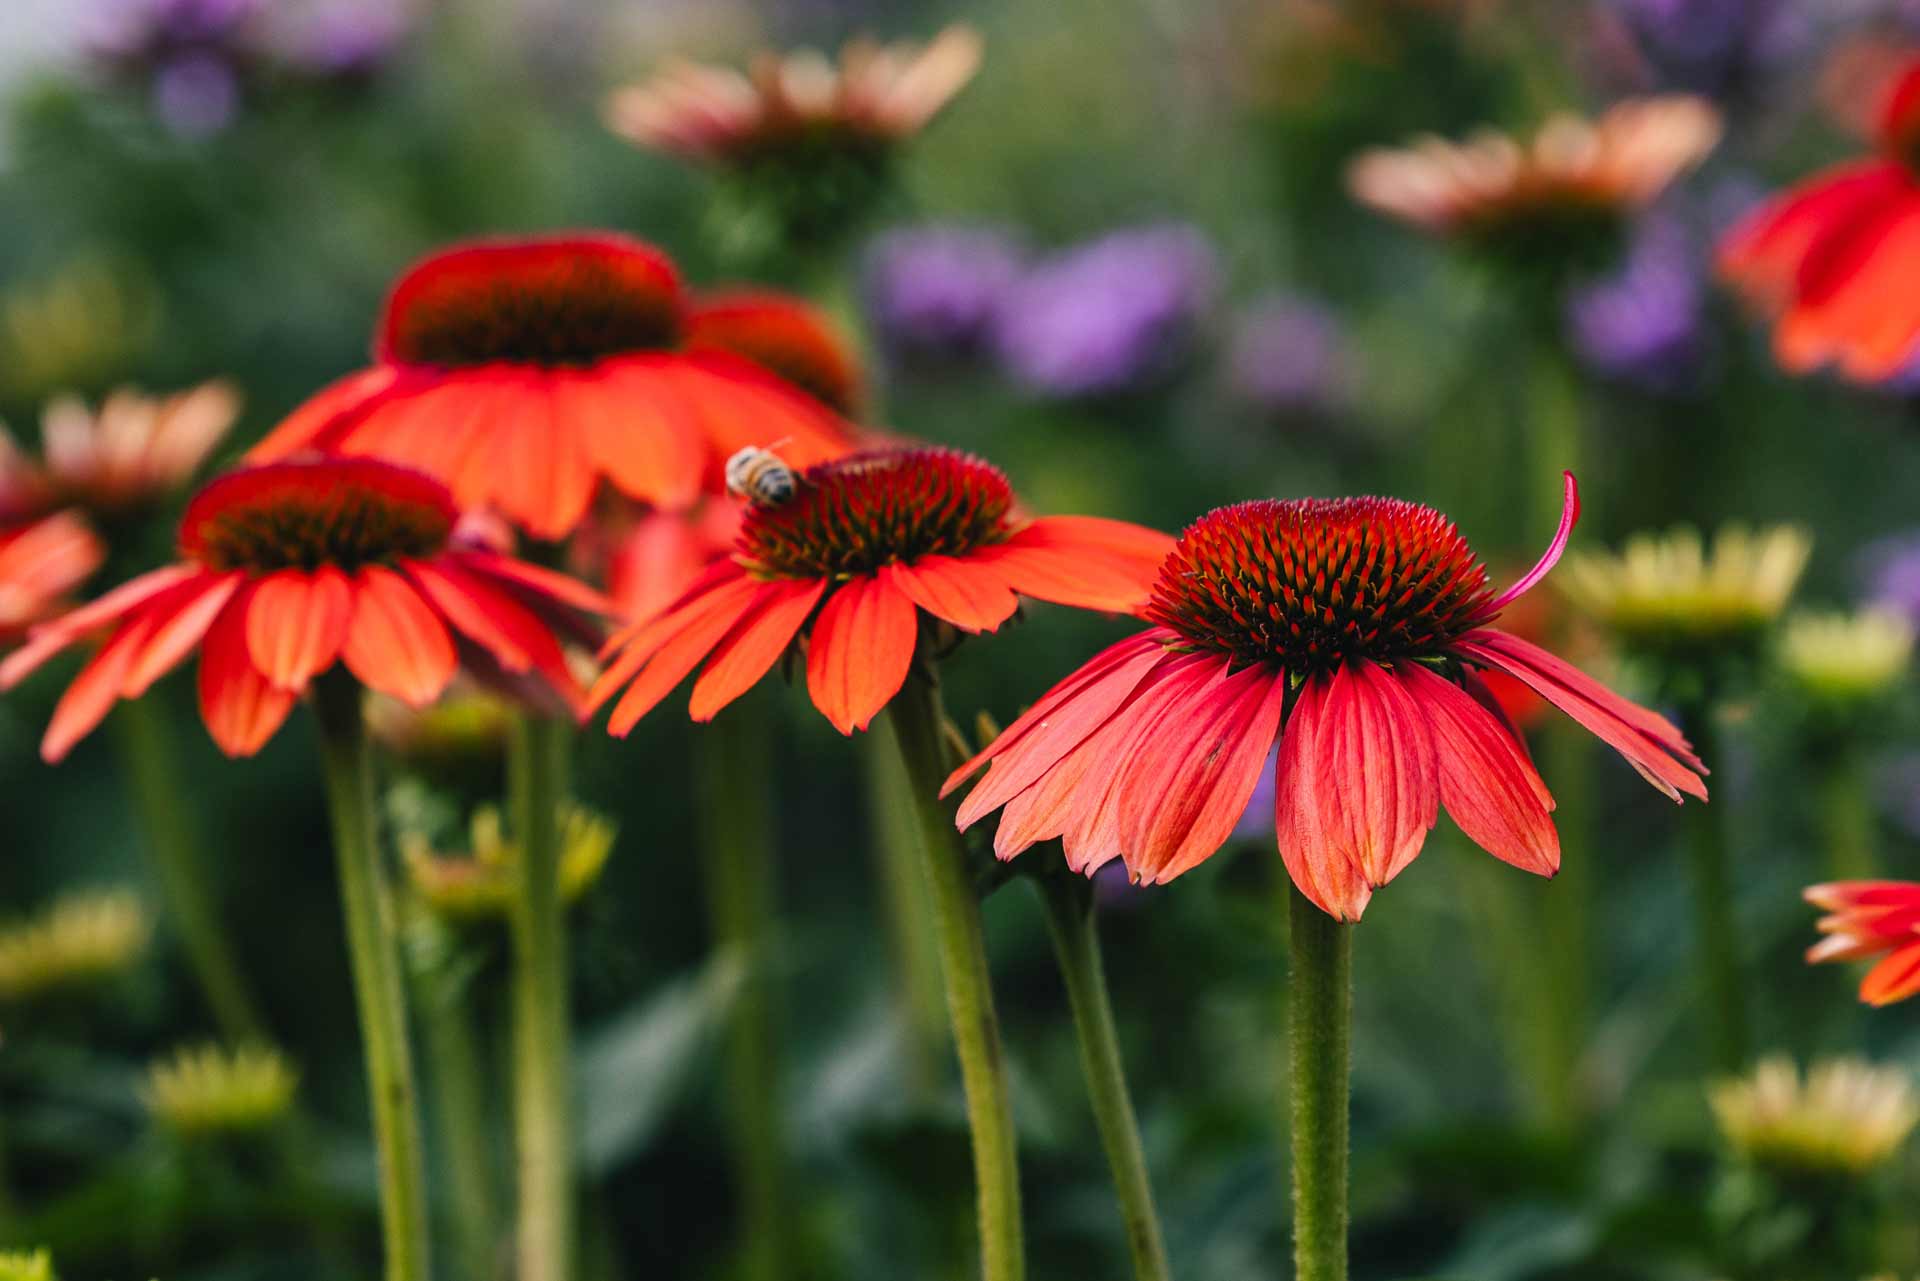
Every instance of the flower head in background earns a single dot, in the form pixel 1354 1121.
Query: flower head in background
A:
pixel 1867 919
pixel 26 1265
pixel 1108 316
pixel 192 56
pixel 343 41
pixel 877 96
pixel 480 884
pixel 80 940
pixel 522 373
pixel 1847 1117
pixel 132 453
pixel 1286 356
pixel 658 555
pixel 1830 261
pixel 850 561
pixel 40 563
pixel 1357 624
pixel 1846 661
pixel 1666 593
pixel 1553 197
pixel 789 338
pixel 1645 324
pixel 934 293
pixel 289 568
pixel 208 1091
pixel 79 326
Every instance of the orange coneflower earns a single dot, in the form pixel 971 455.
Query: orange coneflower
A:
pixel 1574 175
pixel 131 451
pixel 522 372
pixel 1867 919
pixel 1836 260
pixel 870 541
pixel 40 562
pixel 1362 624
pixel 783 335
pixel 717 115
pixel 289 567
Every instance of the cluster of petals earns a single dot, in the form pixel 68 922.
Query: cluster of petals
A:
pixel 134 449
pixel 719 115
pixel 788 338
pixel 289 568
pixel 1832 260
pixel 862 570
pixel 1867 919
pixel 40 562
pixel 522 373
pixel 1615 164
pixel 1150 752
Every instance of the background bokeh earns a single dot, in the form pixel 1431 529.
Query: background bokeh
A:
pixel 1125 267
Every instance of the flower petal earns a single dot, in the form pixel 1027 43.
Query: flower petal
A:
pixel 755 644
pixel 861 648
pixel 50 637
pixel 953 590
pixel 181 619
pixel 685 636
pixel 1486 782
pixel 492 618
pixel 1895 979
pixel 638 430
pixel 1303 812
pixel 296 624
pixel 94 691
pixel 240 708
pixel 1569 516
pixel 395 642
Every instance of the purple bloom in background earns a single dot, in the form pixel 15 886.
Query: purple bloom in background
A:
pixel 196 95
pixel 347 39
pixel 1109 316
pixel 1716 46
pixel 189 55
pixel 1893 574
pixel 1645 325
pixel 935 291
pixel 1286 356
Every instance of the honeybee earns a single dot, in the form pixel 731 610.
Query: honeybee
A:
pixel 759 476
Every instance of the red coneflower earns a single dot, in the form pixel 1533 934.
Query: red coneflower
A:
pixel 870 541
pixel 1833 260
pixel 522 372
pixel 1360 623
pixel 40 563
pixel 290 567
pixel 787 337
pixel 1868 919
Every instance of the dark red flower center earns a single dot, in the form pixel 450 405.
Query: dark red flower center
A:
pixel 784 337
pixel 1308 583
pixel 855 514
pixel 566 302
pixel 347 513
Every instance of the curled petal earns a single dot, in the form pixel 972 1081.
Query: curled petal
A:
pixel 1569 516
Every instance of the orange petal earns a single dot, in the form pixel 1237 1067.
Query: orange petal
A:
pixel 861 649
pixel 241 709
pixel 754 645
pixel 690 636
pixel 972 598
pixel 296 624
pixel 181 619
pixel 94 691
pixel 395 642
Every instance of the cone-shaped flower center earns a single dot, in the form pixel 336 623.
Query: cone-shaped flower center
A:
pixel 855 514
pixel 1308 583
pixel 566 302
pixel 341 512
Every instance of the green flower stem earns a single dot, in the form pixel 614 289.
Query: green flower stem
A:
pixel 160 796
pixel 1847 817
pixel 915 719
pixel 1076 945
pixel 542 1061
pixel 733 776
pixel 916 961
pixel 1320 1047
pixel 1716 934
pixel 454 1068
pixel 376 978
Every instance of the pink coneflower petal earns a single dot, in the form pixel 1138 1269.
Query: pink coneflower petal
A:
pixel 1569 516
pixel 1377 764
pixel 1303 819
pixel 1486 782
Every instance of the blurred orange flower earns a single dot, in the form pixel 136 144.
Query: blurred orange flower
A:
pixel 785 336
pixel 41 562
pixel 1868 919
pixel 134 450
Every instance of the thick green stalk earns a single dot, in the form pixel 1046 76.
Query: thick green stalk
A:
pixel 160 799
pixel 1076 945
pixel 1847 817
pixel 454 1069
pixel 736 829
pixel 915 718
pixel 542 1062
pixel 910 946
pixel 377 981
pixel 1716 933
pixel 1320 1047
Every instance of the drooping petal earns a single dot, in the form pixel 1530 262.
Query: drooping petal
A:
pixel 1486 782
pixel 1569 516
pixel 56 634
pixel 860 651
pixel 1764 251
pixel 639 431
pixel 1180 813
pixel 296 624
pixel 539 582
pixel 241 709
pixel 94 691
pixel 685 636
pixel 395 642
pixel 492 618
pixel 181 618
pixel 316 422
pixel 754 645
pixel 956 591
pixel 1895 978
pixel 1320 867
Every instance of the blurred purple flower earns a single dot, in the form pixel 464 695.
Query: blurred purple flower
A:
pixel 1107 316
pixel 935 291
pixel 1892 574
pixel 196 95
pixel 1717 47
pixel 1285 356
pixel 1645 325
pixel 189 55
pixel 347 39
